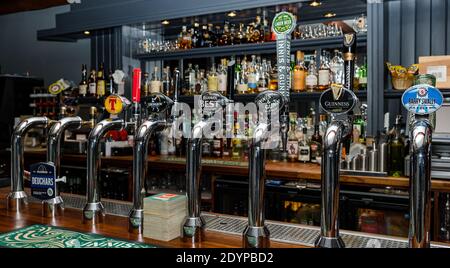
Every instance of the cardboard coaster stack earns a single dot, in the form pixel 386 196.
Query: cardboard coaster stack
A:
pixel 164 215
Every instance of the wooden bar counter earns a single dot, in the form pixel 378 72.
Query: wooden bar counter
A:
pixel 113 226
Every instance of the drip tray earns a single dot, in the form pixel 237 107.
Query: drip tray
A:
pixel 279 232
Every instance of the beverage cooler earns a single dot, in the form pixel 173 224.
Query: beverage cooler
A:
pixel 371 210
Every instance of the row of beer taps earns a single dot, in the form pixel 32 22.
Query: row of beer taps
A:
pixel 144 124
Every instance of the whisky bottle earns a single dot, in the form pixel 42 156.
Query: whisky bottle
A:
pixel 92 84
pixel 273 73
pixel 363 75
pixel 101 83
pixel 155 83
pixel 185 39
pixel 316 146
pixel 189 81
pixel 241 37
pixel 324 73
pixel 225 35
pixel 166 82
pixel 258 31
pixel 82 87
pixel 311 78
pixel 299 74
pixel 146 84
pixel 213 80
pixel 251 76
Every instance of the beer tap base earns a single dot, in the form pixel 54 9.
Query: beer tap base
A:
pixel 193 229
pixel 93 213
pixel 256 237
pixel 16 201
pixel 136 221
pixel 53 208
pixel 329 242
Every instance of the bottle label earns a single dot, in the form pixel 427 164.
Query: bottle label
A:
pixel 222 83
pixel 252 81
pixel 92 88
pixel 292 148
pixel 101 88
pixel 213 83
pixel 324 77
pixel 363 80
pixel 304 154
pixel 242 88
pixel 155 86
pixel 82 89
pixel 311 80
pixel 299 82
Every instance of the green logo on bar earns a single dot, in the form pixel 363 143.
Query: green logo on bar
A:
pixel 284 23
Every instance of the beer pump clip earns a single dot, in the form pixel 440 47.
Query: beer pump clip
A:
pixel 422 101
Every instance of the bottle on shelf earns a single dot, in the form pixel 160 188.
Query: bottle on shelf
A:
pixel 155 83
pixel 196 37
pixel 167 82
pixel 101 83
pixel 252 81
pixel 363 75
pixel 304 150
pixel 241 79
pixel 337 68
pixel 311 78
pixel 92 84
pixel 258 31
pixel 241 37
pixel 213 80
pixel 324 72
pixel 292 145
pixel 396 150
pixel 273 73
pixel 110 86
pixel 264 77
pixel 146 84
pixel 224 39
pixel 185 39
pixel 208 35
pixel 299 74
pixel 190 79
pixel 316 146
pixel 83 86
pixel 222 76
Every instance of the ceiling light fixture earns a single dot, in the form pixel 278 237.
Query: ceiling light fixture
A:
pixel 87 32
pixel 330 15
pixel 315 3
pixel 165 22
pixel 232 14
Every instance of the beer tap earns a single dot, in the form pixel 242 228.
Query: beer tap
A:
pixel 158 104
pixel 338 101
pixel 272 105
pixel 211 102
pixel 117 106
pixel 17 198
pixel 54 206
pixel 422 101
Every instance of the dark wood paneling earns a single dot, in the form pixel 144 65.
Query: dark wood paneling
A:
pixel 438 26
pixel 408 31
pixel 423 20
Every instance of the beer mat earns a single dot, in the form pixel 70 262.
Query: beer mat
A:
pixel 207 161
pixel 43 236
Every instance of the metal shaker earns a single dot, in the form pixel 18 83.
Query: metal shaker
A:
pixel 383 156
pixel 374 157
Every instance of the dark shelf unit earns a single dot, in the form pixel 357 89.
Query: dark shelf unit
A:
pixel 257 48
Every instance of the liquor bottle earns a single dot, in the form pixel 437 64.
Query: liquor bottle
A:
pixel 263 80
pixel 146 84
pixel 167 82
pixel 101 83
pixel 304 151
pixel 311 78
pixel 292 145
pixel 356 76
pixel 316 146
pixel 252 81
pixel 207 35
pixel 201 83
pixel 258 31
pixel 224 39
pixel 185 39
pixel 299 74
pixel 236 151
pixel 155 83
pixel 241 37
pixel 213 80
pixel 92 84
pixel 189 81
pixel 273 73
pixel 337 68
pixel 241 79
pixel 217 146
pixel 323 124
pixel 110 86
pixel 82 87
pixel 363 75
pixel 217 35
pixel 206 147
pixel 222 77
pixel 196 37
pixel 396 150
pixel 324 73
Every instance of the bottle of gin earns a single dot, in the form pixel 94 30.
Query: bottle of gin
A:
pixel 222 76
pixel 311 78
